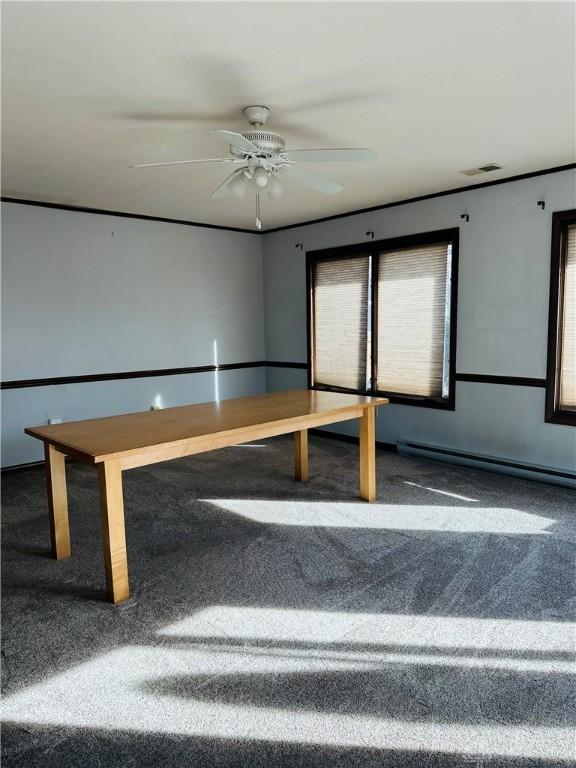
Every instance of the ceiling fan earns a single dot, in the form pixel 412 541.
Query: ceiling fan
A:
pixel 262 158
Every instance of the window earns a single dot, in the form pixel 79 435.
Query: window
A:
pixel 561 375
pixel 341 322
pixel 411 320
pixel 382 318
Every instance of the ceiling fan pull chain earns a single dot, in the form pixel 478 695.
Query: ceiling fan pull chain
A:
pixel 258 220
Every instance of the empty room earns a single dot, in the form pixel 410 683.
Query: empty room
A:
pixel 288 384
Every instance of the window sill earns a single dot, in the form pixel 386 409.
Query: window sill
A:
pixel 420 402
pixel 568 418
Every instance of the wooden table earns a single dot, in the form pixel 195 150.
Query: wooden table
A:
pixel 117 443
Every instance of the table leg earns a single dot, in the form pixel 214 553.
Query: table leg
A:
pixel 368 455
pixel 57 502
pixel 113 530
pixel 301 455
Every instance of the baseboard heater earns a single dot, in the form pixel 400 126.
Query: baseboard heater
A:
pixel 490 463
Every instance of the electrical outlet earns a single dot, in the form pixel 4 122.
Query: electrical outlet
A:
pixel 55 421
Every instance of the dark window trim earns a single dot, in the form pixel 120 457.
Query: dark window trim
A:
pixel 560 222
pixel 373 248
pixel 390 243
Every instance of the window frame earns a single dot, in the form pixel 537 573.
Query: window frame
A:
pixel 373 249
pixel 554 413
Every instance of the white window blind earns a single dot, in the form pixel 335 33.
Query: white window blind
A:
pixel 340 307
pixel 412 320
pixel 567 393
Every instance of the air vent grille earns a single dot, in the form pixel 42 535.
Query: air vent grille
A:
pixel 482 169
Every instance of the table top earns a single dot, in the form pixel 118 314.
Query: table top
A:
pixel 96 439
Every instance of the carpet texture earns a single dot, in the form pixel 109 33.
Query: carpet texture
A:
pixel 274 623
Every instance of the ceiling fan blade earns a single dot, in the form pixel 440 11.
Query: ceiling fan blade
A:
pixel 313 180
pixel 223 190
pixel 238 141
pixel 332 155
pixel 189 162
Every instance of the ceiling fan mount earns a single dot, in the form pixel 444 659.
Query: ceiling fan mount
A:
pixel 268 142
pixel 256 114
pixel 263 157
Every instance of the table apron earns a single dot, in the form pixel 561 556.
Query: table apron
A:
pixel 153 455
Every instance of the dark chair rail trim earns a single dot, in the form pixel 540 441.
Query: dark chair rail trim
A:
pixel 517 381
pixel 275 364
pixel 50 382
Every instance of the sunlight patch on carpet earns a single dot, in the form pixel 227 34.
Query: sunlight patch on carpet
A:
pixel 387 516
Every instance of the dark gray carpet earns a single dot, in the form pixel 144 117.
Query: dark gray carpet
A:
pixel 273 623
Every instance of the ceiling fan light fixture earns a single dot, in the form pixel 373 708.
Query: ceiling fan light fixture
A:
pixel 261 177
pixel 239 186
pixel 275 188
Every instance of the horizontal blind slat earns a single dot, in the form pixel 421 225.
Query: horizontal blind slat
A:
pixel 568 352
pixel 340 301
pixel 411 319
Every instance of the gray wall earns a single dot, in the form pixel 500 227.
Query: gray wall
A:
pixel 85 293
pixel 502 314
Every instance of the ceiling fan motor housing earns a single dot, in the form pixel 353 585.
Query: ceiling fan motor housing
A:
pixel 267 142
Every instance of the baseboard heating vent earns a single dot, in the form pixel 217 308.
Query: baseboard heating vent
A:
pixel 536 472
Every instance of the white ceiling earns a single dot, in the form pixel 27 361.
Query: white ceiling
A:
pixel 433 88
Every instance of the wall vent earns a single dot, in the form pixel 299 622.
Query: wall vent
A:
pixel 503 466
pixel 482 169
